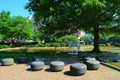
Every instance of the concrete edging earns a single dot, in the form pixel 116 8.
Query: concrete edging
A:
pixel 111 66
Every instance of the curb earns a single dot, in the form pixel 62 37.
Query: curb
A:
pixel 111 66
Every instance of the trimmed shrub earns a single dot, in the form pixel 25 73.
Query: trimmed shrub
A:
pixel 66 39
pixel 53 45
pixel 102 45
pixel 4 46
pixel 117 44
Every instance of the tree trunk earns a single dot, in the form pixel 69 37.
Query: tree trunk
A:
pixel 12 42
pixel 96 40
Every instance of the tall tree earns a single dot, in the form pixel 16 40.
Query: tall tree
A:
pixel 21 28
pixel 5 21
pixel 15 27
pixel 68 15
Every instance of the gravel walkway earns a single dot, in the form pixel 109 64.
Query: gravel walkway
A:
pixel 22 72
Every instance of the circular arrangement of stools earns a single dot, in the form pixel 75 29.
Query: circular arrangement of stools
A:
pixel 57 66
pixel 23 59
pixel 92 64
pixel 37 65
pixel 75 68
pixel 7 61
pixel 78 68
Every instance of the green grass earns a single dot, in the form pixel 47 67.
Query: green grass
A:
pixel 44 54
pixel 38 49
pixel 50 51
pixel 111 49
pixel 117 64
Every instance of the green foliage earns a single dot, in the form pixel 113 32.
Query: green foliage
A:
pixel 55 44
pixel 4 46
pixel 1 37
pixel 36 35
pixel 86 39
pixel 21 28
pixel 117 44
pixel 39 45
pixel 5 21
pixel 102 45
pixel 66 16
pixel 66 39
pixel 15 27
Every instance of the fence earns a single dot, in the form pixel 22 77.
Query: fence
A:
pixel 71 45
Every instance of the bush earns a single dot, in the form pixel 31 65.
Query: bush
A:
pixel 117 44
pixel 39 45
pixel 102 45
pixel 4 46
pixel 87 39
pixel 66 39
pixel 53 45
pixel 36 45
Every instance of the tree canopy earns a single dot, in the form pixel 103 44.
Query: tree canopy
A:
pixel 70 15
pixel 15 27
pixel 21 28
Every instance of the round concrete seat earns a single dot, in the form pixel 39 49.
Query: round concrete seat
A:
pixel 88 58
pixel 78 68
pixel 37 65
pixel 23 59
pixel 36 58
pixel 57 66
pixel 92 64
pixel 0 61
pixel 7 61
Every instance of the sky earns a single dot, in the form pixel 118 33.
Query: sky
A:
pixel 16 7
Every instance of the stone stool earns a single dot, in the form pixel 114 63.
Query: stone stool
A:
pixel 88 58
pixel 92 64
pixel 78 68
pixel 0 61
pixel 36 58
pixel 7 61
pixel 57 66
pixel 37 65
pixel 23 59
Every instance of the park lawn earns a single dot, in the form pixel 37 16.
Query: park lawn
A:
pixel 117 64
pixel 44 54
pixel 37 49
pixel 111 49
pixel 50 51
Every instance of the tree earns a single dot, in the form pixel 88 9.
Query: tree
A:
pixel 69 15
pixel 15 27
pixel 21 28
pixel 87 39
pixel 67 39
pixel 5 21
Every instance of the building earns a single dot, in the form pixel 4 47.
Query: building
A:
pixel 35 24
pixel 80 33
